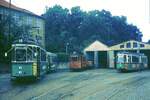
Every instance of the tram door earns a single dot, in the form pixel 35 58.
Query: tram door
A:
pixel 38 61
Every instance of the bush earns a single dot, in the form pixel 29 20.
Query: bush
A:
pixel 63 57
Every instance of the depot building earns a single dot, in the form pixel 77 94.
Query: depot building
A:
pixel 105 57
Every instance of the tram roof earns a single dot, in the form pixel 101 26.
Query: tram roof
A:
pixel 31 45
pixel 52 54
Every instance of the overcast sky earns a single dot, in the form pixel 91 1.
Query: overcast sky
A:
pixel 137 11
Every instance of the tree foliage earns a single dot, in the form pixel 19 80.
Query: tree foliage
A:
pixel 9 32
pixel 80 28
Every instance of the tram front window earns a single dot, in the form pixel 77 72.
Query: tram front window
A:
pixel 120 59
pixel 74 58
pixel 20 55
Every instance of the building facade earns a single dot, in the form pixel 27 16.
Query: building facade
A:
pixel 105 57
pixel 24 18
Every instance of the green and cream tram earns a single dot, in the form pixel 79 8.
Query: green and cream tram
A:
pixel 127 61
pixel 28 60
pixel 52 62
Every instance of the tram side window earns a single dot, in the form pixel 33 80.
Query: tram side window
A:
pixel 129 59
pixel 43 55
pixel 54 59
pixel 29 54
pixel 144 60
pixel 135 59
pixel 125 58
pixel 34 53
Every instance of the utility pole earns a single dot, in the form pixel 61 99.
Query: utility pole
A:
pixel 67 48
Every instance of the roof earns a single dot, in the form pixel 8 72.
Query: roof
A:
pixel 51 54
pixel 97 46
pixel 7 5
pixel 124 44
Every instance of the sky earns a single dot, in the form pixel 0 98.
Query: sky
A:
pixel 136 11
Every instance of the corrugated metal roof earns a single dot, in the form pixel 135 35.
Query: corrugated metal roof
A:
pixel 97 46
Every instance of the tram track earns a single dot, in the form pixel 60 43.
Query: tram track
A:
pixel 129 86
pixel 70 87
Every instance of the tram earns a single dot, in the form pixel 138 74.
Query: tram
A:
pixel 52 62
pixel 28 60
pixel 79 62
pixel 127 61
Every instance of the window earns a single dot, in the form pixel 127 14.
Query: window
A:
pixel 142 45
pixel 144 59
pixel 135 59
pixel 74 58
pixel 29 54
pixel 20 54
pixel 16 17
pixel 129 59
pixel 34 53
pixel 121 46
pixel 43 55
pixel 135 45
pixel 125 58
pixel 120 58
pixel 128 45
pixel 38 23
pixel 29 20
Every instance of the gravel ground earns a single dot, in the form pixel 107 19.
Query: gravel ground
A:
pixel 97 84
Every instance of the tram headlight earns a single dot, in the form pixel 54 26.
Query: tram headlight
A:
pixel 20 67
pixel 5 54
pixel 20 72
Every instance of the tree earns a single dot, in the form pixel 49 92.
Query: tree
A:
pixel 80 28
pixel 10 34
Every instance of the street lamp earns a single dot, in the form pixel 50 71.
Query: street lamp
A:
pixel 67 48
